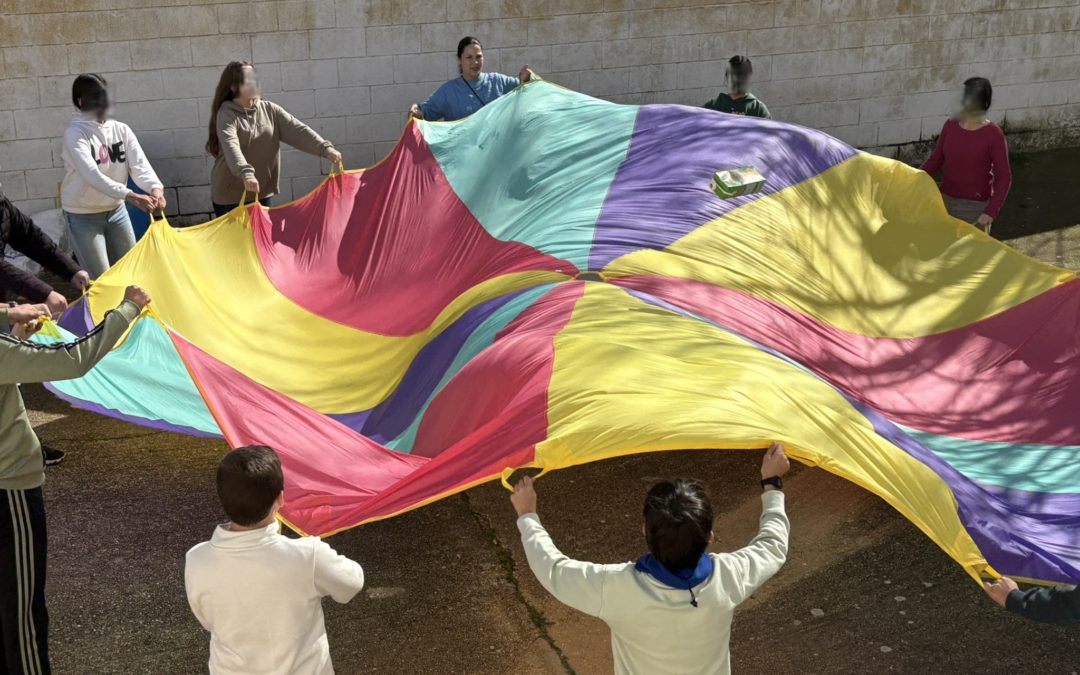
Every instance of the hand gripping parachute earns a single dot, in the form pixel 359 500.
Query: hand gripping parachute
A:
pixel 552 281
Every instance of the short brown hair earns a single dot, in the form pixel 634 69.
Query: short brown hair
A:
pixel 249 479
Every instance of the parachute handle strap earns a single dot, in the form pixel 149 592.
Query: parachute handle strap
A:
pixel 504 477
pixel 243 198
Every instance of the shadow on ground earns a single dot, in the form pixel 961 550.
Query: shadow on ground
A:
pixel 449 591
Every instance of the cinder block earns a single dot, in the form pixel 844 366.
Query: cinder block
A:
pixel 157 144
pixel 218 50
pixel 857 135
pixel 376 128
pixel 895 132
pixel 330 43
pixel 366 71
pixel 797 12
pixel 246 17
pixel 420 68
pixel 305 14
pixel 59 29
pixel 333 129
pixel 13 185
pixel 299 103
pixel 35 61
pixel 22 155
pixel 41 123
pixel 309 75
pixel 296 163
pixel 493 34
pixel 881 108
pixel 393 39
pixel 99 57
pixel 641 79
pixel 21 93
pixel 502 9
pixel 580 56
pixel 358 155
pixel 7 127
pixel 342 102
pixel 41 183
pixel 133 85
pixel 604 82
pixel 14 30
pixel 269 77
pixel 190 142
pixel 277 47
pixel 183 171
pixel 160 53
pixel 580 28
pixel 190 82
pixel 350 13
pixel 511 59
pixel 193 199
pixel 700 74
pixel 398 97
pixel 158 115
pixel 33 206
pixel 396 12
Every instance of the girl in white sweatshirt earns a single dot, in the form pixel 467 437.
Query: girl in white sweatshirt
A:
pixel 100 154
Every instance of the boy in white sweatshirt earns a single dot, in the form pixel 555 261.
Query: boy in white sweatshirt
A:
pixel 670 612
pixel 260 593
pixel 100 154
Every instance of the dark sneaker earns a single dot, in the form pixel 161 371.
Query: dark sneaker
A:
pixel 52 455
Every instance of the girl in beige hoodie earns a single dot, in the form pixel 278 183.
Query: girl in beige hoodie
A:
pixel 246 132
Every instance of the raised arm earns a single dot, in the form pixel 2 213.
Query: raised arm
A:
pixel 31 362
pixel 743 571
pixel 299 135
pixel 336 575
pixel 574 583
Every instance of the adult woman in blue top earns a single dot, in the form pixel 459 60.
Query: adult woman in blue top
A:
pixel 464 95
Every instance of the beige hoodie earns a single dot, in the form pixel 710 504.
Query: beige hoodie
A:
pixel 251 148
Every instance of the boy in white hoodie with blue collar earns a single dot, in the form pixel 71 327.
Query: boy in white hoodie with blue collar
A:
pixel 100 154
pixel 670 611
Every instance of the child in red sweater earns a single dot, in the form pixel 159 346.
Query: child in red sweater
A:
pixel 975 157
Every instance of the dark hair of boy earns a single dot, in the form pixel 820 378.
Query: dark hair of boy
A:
pixel 678 522
pixel 249 479
pixel 89 91
pixel 978 92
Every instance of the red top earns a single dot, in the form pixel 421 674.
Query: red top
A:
pixel 976 164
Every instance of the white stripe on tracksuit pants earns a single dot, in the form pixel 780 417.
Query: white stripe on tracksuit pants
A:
pixel 24 621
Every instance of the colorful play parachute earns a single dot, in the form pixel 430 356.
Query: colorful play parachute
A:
pixel 551 282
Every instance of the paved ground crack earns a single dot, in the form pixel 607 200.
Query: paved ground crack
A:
pixel 506 562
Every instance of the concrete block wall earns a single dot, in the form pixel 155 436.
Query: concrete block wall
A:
pixel 879 74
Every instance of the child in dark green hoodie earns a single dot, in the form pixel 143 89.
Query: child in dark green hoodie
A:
pixel 739 100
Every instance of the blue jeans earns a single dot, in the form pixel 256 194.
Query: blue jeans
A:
pixel 100 239
pixel 222 209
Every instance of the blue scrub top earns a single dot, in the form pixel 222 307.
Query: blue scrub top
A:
pixel 459 98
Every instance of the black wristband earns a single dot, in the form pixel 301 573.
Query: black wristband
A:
pixel 775 481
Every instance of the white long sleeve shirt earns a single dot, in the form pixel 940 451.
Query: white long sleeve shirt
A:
pixel 98 159
pixel 654 628
pixel 260 596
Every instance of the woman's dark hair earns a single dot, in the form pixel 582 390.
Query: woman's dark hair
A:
pixel 249 479
pixel 465 42
pixel 89 91
pixel 978 92
pixel 678 521
pixel 740 65
pixel 229 83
